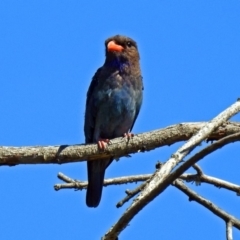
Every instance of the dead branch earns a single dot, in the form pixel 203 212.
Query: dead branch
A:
pixel 193 196
pixel 79 185
pixel 119 147
pixel 229 230
pixel 188 177
pixel 204 152
pixel 219 183
pixel 160 179
pixel 168 179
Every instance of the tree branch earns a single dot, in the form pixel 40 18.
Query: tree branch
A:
pixel 160 179
pixel 206 203
pixel 229 230
pixel 71 183
pixel 167 179
pixel 201 154
pixel 211 180
pixel 79 185
pixel 119 147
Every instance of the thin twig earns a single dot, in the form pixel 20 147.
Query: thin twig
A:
pixel 79 185
pixel 198 169
pixel 219 183
pixel 130 194
pixel 207 204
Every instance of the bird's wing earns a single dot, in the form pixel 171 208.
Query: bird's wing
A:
pixel 90 114
pixel 138 101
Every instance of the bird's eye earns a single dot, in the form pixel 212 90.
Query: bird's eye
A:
pixel 129 44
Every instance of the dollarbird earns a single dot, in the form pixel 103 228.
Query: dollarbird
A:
pixel 114 99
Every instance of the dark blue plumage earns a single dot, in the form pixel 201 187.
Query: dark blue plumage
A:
pixel 113 102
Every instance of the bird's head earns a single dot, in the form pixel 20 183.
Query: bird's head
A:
pixel 121 49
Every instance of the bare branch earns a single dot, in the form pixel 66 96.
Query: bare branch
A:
pixel 198 169
pixel 201 154
pixel 229 230
pixel 134 192
pixel 206 203
pixel 131 194
pixel 70 183
pixel 204 178
pixel 160 179
pixel 79 185
pixel 211 180
pixel 68 179
pixel 119 147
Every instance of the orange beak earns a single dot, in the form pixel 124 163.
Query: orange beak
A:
pixel 112 46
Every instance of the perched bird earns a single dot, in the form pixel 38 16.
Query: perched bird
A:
pixel 113 102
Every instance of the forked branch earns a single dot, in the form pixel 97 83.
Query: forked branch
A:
pixel 162 177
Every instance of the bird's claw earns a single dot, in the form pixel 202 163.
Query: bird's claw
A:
pixel 102 143
pixel 128 135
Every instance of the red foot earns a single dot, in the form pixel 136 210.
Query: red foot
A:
pixel 128 135
pixel 102 143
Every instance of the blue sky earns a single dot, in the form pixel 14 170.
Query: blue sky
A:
pixel 49 51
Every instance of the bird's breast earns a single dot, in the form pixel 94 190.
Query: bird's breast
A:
pixel 118 91
pixel 116 105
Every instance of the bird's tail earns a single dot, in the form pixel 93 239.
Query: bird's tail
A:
pixel 96 171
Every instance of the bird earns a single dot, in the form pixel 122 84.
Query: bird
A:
pixel 114 99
